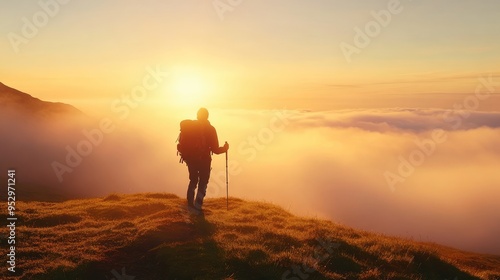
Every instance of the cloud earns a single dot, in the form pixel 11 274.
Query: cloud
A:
pixel 328 164
pixel 332 164
pixel 126 160
pixel 399 119
pixel 418 78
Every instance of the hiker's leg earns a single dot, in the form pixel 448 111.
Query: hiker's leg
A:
pixel 193 181
pixel 202 186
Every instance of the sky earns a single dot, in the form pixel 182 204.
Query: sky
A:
pixel 258 54
pixel 394 132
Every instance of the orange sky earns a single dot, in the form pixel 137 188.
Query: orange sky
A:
pixel 256 54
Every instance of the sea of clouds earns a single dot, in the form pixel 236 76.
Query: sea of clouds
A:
pixel 426 174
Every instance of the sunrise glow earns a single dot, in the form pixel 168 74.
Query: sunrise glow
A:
pixel 379 116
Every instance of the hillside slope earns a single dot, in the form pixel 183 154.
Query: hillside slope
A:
pixel 153 236
pixel 13 100
pixel 65 154
pixel 34 134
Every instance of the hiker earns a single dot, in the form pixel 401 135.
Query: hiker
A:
pixel 199 160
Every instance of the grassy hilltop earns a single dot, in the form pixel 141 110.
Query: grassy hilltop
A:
pixel 152 236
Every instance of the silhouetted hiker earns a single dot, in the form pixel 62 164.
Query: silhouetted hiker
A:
pixel 197 141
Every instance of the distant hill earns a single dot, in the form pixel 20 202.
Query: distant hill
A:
pixel 34 134
pixel 38 135
pixel 153 236
pixel 15 101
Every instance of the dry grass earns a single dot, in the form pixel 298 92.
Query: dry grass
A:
pixel 154 237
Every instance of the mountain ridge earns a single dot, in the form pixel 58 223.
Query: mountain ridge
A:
pixel 35 133
pixel 154 236
pixel 20 102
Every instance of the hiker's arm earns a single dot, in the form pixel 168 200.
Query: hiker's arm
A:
pixel 221 150
pixel 215 144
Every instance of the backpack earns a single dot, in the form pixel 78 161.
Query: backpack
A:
pixel 191 142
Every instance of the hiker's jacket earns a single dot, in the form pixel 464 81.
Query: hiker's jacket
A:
pixel 211 140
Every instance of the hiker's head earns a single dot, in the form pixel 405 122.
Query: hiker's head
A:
pixel 202 114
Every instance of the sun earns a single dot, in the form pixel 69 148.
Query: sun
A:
pixel 188 88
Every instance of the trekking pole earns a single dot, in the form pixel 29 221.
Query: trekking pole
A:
pixel 227 187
